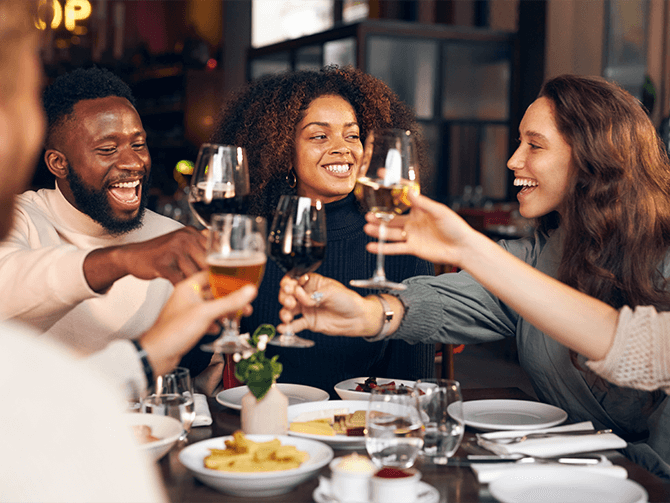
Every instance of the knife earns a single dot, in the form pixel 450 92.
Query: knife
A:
pixel 566 460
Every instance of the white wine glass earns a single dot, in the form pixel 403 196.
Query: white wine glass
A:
pixel 389 172
pixel 236 256
pixel 393 427
pixel 172 396
pixel 220 182
pixel 297 243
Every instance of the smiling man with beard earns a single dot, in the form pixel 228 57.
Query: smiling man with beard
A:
pixel 86 262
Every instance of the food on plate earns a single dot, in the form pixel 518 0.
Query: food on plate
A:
pixel 330 423
pixel 371 383
pixel 143 434
pixel 355 463
pixel 244 455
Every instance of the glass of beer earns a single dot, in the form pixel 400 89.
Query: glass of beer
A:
pixel 388 172
pixel 236 256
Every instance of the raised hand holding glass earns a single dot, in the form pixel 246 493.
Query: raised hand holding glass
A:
pixel 297 244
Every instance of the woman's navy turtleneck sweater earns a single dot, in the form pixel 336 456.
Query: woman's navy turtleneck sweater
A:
pixel 334 359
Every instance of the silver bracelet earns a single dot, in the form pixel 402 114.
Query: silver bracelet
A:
pixel 387 317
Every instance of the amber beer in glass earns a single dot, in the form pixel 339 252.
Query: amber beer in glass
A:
pixel 236 256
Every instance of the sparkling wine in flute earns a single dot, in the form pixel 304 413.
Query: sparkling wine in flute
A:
pixel 228 274
pixel 383 199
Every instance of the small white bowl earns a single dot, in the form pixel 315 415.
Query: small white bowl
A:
pixel 346 389
pixel 166 429
pixel 261 484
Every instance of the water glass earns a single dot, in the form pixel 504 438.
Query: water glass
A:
pixel 173 396
pixel 441 406
pixel 393 428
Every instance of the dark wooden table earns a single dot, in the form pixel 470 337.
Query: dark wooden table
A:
pixel 455 484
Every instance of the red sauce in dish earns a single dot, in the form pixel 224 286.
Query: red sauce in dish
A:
pixel 392 473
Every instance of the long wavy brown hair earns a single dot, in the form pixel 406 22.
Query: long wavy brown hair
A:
pixel 262 116
pixel 616 216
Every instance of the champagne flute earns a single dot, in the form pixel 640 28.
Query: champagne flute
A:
pixel 297 243
pixel 220 182
pixel 389 172
pixel 236 256
pixel 393 427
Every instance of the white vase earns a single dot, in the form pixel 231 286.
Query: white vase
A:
pixel 267 416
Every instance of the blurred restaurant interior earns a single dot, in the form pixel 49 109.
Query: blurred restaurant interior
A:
pixel 469 68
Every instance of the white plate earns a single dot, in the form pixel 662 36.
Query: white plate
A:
pixel 166 429
pixel 511 414
pixel 255 485
pixel 337 441
pixel 427 494
pixel 546 484
pixel 347 389
pixel 296 393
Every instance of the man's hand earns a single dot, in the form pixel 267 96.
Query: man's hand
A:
pixel 187 315
pixel 173 256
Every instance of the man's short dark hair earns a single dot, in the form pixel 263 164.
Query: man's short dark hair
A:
pixel 82 84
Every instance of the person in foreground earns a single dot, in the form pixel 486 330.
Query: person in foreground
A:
pixel 303 132
pixel 85 262
pixel 64 434
pixel 596 176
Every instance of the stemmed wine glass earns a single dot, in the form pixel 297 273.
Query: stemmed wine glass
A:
pixel 297 243
pixel 388 173
pixel 236 256
pixel 220 182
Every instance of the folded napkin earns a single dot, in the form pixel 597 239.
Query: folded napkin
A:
pixel 203 417
pixel 488 472
pixel 551 446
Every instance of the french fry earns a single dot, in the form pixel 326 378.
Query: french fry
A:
pixel 244 455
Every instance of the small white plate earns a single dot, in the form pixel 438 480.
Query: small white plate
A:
pixel 296 393
pixel 347 389
pixel 546 484
pixel 511 414
pixel 427 494
pixel 255 485
pixel 337 441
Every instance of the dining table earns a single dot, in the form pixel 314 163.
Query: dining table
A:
pixel 455 481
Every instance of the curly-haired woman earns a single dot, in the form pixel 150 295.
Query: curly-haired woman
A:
pixel 596 176
pixel 304 132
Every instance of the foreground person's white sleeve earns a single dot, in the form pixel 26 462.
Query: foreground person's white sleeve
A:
pixel 64 438
pixel 640 353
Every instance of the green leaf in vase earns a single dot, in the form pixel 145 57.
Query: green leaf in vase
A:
pixel 259 372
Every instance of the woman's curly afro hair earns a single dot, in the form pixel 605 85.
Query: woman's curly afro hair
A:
pixel 262 118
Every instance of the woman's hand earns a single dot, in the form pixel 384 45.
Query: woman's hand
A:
pixel 326 306
pixel 189 313
pixel 431 231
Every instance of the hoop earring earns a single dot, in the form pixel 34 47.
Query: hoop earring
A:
pixel 289 175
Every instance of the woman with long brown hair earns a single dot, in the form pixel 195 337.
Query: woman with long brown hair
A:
pixel 594 173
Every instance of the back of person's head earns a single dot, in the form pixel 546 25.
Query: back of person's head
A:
pixel 617 213
pixel 71 88
pixel 263 115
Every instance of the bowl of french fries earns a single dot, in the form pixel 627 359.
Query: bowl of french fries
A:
pixel 255 465
pixel 154 434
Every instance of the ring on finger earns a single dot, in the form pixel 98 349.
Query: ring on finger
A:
pixel 316 297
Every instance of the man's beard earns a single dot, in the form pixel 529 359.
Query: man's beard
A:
pixel 96 205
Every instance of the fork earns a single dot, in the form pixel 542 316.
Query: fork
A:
pixel 528 436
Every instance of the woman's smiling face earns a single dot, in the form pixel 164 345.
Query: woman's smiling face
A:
pixel 542 163
pixel 328 149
